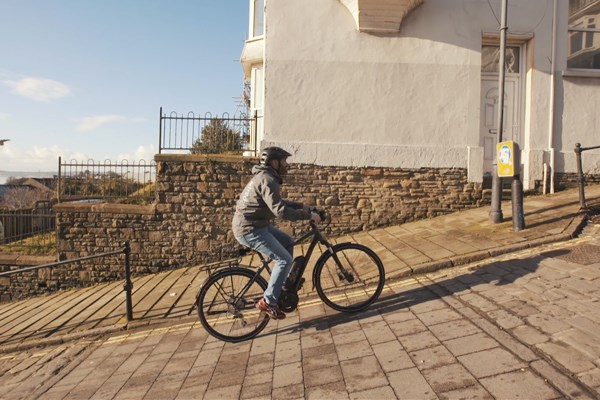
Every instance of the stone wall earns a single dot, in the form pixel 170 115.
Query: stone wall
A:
pixel 189 222
pixel 29 283
pixel 571 180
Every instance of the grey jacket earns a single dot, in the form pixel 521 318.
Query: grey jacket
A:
pixel 260 202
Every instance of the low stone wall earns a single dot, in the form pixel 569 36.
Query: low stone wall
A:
pixel 189 223
pixel 25 284
pixel 571 180
pixel 367 198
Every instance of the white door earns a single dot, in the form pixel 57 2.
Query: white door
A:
pixel 490 102
pixel 256 107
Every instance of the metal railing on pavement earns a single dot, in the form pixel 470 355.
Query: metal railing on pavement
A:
pixel 580 176
pixel 127 287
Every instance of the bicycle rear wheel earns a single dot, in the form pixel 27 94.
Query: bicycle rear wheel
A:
pixel 349 278
pixel 226 304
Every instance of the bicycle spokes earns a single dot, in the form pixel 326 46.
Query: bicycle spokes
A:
pixel 349 277
pixel 226 305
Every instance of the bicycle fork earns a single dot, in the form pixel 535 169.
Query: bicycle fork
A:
pixel 343 273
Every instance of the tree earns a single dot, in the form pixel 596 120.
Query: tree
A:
pixel 217 138
pixel 23 197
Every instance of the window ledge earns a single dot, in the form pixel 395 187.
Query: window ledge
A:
pixel 380 16
pixel 573 73
pixel 252 53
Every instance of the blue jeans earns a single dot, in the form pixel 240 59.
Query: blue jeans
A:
pixel 277 245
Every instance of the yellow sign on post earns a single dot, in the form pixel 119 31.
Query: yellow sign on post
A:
pixel 506 164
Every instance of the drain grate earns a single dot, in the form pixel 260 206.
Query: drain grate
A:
pixel 584 254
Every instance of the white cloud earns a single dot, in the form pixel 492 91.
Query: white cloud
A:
pixel 42 156
pixel 141 153
pixel 38 89
pixel 45 158
pixel 3 116
pixel 91 123
pixel 32 159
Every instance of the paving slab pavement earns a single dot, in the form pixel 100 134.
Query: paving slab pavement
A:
pixel 517 326
pixel 407 250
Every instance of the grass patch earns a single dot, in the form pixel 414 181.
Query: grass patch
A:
pixel 38 245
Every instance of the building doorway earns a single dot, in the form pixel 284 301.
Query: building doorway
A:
pixel 513 100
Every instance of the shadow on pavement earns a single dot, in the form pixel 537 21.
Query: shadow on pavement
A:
pixel 498 273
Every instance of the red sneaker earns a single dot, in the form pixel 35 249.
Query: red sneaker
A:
pixel 272 311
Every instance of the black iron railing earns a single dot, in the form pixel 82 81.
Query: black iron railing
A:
pixel 106 181
pixel 127 287
pixel 208 133
pixel 580 176
pixel 31 228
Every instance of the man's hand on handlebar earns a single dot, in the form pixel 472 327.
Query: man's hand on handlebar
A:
pixel 317 215
pixel 314 217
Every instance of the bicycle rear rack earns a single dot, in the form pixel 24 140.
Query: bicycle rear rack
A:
pixel 234 261
pixel 230 263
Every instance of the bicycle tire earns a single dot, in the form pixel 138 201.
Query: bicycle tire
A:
pixel 364 266
pixel 224 320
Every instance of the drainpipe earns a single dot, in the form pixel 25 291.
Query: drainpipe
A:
pixel 496 209
pixel 552 95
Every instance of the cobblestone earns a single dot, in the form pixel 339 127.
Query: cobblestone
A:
pixel 522 325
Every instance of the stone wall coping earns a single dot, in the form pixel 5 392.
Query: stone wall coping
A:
pixel 134 209
pixel 229 158
pixel 18 259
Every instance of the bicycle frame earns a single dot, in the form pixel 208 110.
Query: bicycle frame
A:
pixel 227 300
pixel 317 237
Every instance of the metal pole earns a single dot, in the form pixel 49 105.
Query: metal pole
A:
pixel 58 184
pixel 160 131
pixel 128 284
pixel 518 214
pixel 56 264
pixel 496 211
pixel 580 177
pixel 255 133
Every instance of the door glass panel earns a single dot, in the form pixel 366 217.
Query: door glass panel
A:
pixel 490 57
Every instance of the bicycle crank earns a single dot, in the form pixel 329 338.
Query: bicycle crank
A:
pixel 288 301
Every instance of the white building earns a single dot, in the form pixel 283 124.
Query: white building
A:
pixel 413 83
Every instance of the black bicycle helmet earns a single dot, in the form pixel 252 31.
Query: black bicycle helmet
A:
pixel 273 153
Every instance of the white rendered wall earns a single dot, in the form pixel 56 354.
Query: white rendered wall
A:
pixel 336 96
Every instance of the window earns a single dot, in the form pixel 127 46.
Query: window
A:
pixel 584 34
pixel 257 18
pixel 490 58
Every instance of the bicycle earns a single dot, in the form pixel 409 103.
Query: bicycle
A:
pixel 348 277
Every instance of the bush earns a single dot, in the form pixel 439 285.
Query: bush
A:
pixel 217 138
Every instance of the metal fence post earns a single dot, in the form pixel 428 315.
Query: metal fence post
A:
pixel 128 284
pixel 255 133
pixel 58 184
pixel 580 177
pixel 160 131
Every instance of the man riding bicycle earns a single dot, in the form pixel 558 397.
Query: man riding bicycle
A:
pixel 259 203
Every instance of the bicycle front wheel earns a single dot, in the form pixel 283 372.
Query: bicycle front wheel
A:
pixel 226 305
pixel 350 277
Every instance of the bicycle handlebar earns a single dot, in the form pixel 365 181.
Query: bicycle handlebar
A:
pixel 321 213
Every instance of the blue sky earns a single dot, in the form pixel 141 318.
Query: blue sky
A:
pixel 85 78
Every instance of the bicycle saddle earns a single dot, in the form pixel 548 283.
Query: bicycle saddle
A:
pixel 243 250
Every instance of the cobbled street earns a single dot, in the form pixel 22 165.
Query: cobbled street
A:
pixel 523 325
